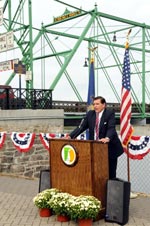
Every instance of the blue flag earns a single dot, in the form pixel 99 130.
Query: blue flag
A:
pixel 91 90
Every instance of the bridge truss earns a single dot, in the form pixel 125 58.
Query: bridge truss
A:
pixel 55 52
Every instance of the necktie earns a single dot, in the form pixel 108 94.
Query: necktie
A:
pixel 97 126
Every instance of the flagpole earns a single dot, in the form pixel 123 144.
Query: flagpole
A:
pixel 128 165
pixel 128 160
pixel 126 128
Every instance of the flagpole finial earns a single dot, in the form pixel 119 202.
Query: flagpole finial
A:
pixel 127 41
pixel 93 49
pixel 92 60
pixel 129 32
pixel 92 53
pixel 127 44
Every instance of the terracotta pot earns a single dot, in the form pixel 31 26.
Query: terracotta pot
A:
pixel 62 218
pixel 85 222
pixel 45 212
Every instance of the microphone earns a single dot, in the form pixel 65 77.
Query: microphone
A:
pixel 76 131
pixel 81 123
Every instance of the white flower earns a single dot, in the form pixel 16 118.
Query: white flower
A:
pixel 42 198
pixel 84 207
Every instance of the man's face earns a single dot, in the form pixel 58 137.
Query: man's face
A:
pixel 98 106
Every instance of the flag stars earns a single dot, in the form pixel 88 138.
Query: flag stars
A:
pixel 126 72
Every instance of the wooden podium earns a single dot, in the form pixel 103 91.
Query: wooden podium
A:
pixel 88 172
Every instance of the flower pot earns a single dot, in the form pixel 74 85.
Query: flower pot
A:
pixel 85 222
pixel 62 218
pixel 45 212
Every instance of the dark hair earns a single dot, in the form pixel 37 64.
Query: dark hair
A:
pixel 102 99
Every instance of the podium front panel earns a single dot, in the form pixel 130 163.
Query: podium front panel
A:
pixel 89 174
pixel 76 179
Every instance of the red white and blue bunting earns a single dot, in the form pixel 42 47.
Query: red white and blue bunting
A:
pixel 2 138
pixel 23 141
pixel 138 147
pixel 45 138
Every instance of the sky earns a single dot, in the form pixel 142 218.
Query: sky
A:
pixel 45 10
pixel 133 10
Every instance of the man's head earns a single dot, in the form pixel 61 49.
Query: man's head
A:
pixel 99 103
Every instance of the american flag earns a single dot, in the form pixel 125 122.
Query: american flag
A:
pixel 126 129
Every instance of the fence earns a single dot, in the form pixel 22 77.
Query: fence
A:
pixel 25 98
pixel 139 171
pixel 16 98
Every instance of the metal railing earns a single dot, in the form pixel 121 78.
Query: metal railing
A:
pixel 73 106
pixel 15 98
pixel 25 98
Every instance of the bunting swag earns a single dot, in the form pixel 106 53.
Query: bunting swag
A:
pixel 2 138
pixel 45 137
pixel 23 141
pixel 138 147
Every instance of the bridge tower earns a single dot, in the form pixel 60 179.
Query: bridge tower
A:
pixel 54 53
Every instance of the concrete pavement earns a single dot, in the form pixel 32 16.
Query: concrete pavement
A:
pixel 17 209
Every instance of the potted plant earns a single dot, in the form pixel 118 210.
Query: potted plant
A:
pixel 60 205
pixel 84 207
pixel 41 200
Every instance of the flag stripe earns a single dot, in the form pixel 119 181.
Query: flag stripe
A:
pixel 126 129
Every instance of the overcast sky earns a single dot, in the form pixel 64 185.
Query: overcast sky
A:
pixel 136 10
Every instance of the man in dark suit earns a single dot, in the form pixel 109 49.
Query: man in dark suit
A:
pixel 106 131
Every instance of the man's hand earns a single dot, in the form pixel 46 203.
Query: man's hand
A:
pixel 67 136
pixel 104 140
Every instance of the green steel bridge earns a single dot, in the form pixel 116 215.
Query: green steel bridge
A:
pixel 81 31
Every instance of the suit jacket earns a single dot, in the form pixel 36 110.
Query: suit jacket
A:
pixel 106 129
